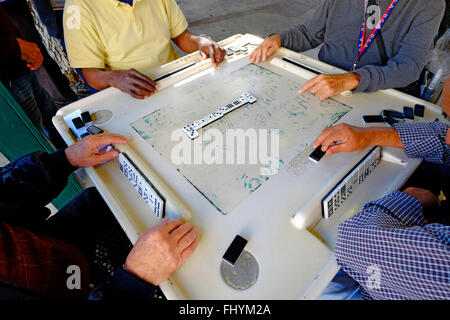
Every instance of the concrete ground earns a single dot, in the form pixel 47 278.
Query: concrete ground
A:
pixel 221 19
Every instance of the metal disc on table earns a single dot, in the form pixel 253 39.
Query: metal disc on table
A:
pixel 102 116
pixel 243 274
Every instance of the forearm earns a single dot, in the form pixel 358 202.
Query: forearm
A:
pixel 187 41
pixel 40 176
pixel 125 286
pixel 399 72
pixel 383 136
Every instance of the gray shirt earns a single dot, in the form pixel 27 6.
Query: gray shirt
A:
pixel 408 36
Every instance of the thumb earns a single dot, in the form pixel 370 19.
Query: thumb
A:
pixel 270 51
pixel 112 154
pixel 337 148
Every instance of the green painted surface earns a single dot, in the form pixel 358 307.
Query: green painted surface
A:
pixel 18 137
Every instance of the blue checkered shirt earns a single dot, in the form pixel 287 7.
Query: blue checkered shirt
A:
pixel 387 247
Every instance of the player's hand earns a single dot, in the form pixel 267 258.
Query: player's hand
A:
pixel 134 83
pixel 160 250
pixel 266 49
pixel 85 153
pixel 325 85
pixel 30 54
pixel 343 138
pixel 427 198
pixel 210 49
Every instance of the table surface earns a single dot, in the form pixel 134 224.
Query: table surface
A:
pixel 295 261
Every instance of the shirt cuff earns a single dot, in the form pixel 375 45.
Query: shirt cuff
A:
pixel 364 81
pixel 401 206
pixel 125 286
pixel 283 36
pixel 58 162
pixel 423 140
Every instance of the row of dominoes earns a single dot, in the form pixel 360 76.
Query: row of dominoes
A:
pixel 191 129
pixel 144 188
pixel 343 191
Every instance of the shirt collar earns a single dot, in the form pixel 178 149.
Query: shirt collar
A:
pixel 117 3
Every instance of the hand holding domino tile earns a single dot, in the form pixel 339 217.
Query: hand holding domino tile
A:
pixel 85 153
pixel 353 138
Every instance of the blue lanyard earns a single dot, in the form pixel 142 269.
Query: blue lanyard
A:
pixel 362 47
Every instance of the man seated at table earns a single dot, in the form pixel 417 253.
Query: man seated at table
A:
pixel 42 253
pixel 394 58
pixel 115 42
pixel 398 247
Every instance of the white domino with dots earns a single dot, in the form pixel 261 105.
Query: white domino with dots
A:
pixel 191 129
pixel 347 187
pixel 143 187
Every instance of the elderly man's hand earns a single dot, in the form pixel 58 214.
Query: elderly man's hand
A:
pixel 346 138
pixel 136 84
pixel 325 85
pixel 30 54
pixel 266 49
pixel 210 49
pixel 343 138
pixel 160 250
pixel 85 153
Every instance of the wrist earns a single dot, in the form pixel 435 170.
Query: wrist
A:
pixel 131 271
pixel 69 158
pixel 198 38
pixel 381 136
pixel 111 78
pixel 354 80
pixel 277 38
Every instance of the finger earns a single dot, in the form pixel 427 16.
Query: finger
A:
pixel 112 154
pixel 253 55
pixel 309 84
pixel 189 250
pixel 321 138
pixel 264 53
pixel 258 56
pixel 109 138
pixel 144 78
pixel 187 239
pixel 343 147
pixel 144 87
pixel 170 225
pixel 136 93
pixel 331 139
pixel 270 51
pixel 212 55
pixel 181 231
pixel 223 54
pixel 324 93
pixel 218 54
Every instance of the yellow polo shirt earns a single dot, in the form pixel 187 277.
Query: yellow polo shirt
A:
pixel 113 35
